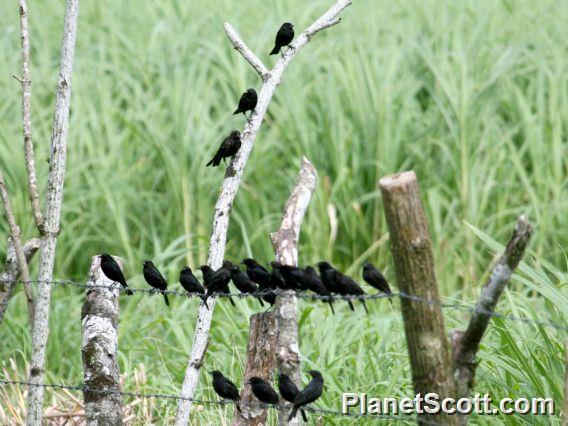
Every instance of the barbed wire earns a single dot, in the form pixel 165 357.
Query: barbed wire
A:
pixel 308 296
pixel 324 411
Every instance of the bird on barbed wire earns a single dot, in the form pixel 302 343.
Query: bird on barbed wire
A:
pixel 289 391
pixel 243 283
pixel 312 281
pixel 336 282
pixel 247 102
pixel 216 282
pixel 229 147
pixel 293 277
pixel 309 394
pixel 375 278
pixel 260 275
pixel 189 282
pixel 276 276
pixel 113 272
pixel 263 391
pixel 225 388
pixel 155 279
pixel 284 37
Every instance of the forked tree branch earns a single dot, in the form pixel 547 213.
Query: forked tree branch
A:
pixel 27 116
pixel 465 344
pixel 11 271
pixel 51 224
pixel 285 243
pixel 244 50
pixel 229 189
pixel 15 236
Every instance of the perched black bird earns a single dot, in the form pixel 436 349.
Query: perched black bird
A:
pixel 247 102
pixel 225 388
pixel 155 279
pixel 263 391
pixel 258 274
pixel 229 147
pixel 309 394
pixel 243 283
pixel 113 272
pixel 341 284
pixel 289 391
pixel 284 37
pixel 313 282
pixel 276 277
pixel 189 282
pixel 376 279
pixel 216 282
pixel 293 277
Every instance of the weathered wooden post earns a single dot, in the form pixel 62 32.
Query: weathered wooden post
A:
pixel 428 346
pixel 99 317
pixel 260 363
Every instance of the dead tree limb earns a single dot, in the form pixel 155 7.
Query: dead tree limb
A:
pixel 51 224
pixel 11 271
pixel 27 116
pixel 99 318
pixel 229 189
pixel 428 346
pixel 465 344
pixel 285 243
pixel 15 237
pixel 260 363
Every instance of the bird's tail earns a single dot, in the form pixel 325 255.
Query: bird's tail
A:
pixel 166 299
pixel 205 301
pixel 365 306
pixel 293 413
pixel 232 301
pixel 303 413
pixel 237 111
pixel 276 50
pixel 350 305
pixel 128 291
pixel 215 161
pixel 331 306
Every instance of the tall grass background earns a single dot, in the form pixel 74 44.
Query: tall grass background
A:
pixel 471 95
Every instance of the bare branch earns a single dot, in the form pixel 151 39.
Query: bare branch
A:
pixel 27 116
pixel 466 344
pixel 224 204
pixel 244 50
pixel 52 213
pixel 17 244
pixel 12 271
pixel 285 243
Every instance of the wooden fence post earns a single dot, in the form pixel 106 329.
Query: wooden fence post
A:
pixel 99 317
pixel 428 346
pixel 260 363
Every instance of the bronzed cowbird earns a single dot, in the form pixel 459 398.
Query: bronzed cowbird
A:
pixel 258 274
pixel 216 282
pixel 247 102
pixel 242 282
pixel 309 394
pixel 336 282
pixel 225 388
pixel 113 272
pixel 284 37
pixel 312 281
pixel 263 391
pixel 155 279
pixel 229 147
pixel 289 391
pixel 189 282
pixel 376 279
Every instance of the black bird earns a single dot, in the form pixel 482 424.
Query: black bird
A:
pixel 113 272
pixel 293 277
pixel 276 277
pixel 225 388
pixel 309 394
pixel 242 282
pixel 189 282
pixel 313 282
pixel 342 284
pixel 284 37
pixel 155 279
pixel 229 147
pixel 263 391
pixel 289 391
pixel 376 279
pixel 247 102
pixel 258 274
pixel 216 282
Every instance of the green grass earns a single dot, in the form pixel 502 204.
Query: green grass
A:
pixel 473 96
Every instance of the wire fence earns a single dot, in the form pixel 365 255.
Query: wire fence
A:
pixel 461 306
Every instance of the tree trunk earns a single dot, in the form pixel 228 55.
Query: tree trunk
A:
pixel 260 363
pixel 428 346
pixel 99 318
